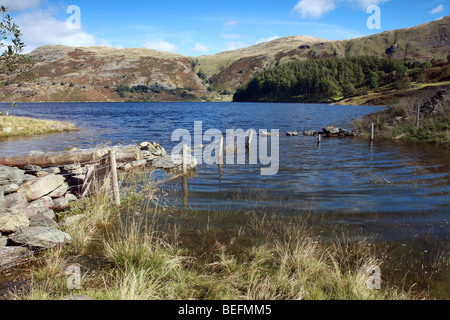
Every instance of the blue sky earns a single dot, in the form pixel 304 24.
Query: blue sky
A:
pixel 199 27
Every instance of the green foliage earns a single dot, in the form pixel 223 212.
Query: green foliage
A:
pixel 317 80
pixel 13 64
pixel 401 71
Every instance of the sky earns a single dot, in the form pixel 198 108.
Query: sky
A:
pixel 202 27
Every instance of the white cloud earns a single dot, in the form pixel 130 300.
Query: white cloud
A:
pixel 41 28
pixel 20 5
pixel 314 8
pixel 267 39
pixel 199 48
pixel 317 8
pixel 231 23
pixel 438 9
pixel 160 45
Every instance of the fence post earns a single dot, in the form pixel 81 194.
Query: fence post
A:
pixel 319 139
pixel 184 159
pixel 115 182
pixel 220 153
pixel 372 132
pixel 250 138
pixel 418 116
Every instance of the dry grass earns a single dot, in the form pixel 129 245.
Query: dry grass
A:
pixel 23 126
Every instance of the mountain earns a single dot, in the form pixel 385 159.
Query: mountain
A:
pixel 106 74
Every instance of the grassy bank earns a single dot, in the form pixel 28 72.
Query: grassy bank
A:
pixel 140 252
pixel 399 121
pixel 11 126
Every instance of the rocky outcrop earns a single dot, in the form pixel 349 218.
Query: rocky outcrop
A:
pixel 32 198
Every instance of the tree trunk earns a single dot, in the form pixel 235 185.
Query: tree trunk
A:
pixel 55 159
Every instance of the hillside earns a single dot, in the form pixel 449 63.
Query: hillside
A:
pixel 94 73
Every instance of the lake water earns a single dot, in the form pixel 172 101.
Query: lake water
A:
pixel 343 175
pixel 396 192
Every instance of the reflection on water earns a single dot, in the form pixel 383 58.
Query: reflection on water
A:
pixel 389 192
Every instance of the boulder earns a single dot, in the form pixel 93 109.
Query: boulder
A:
pixel 40 237
pixel 330 130
pixel 32 169
pixel 39 206
pixel 15 201
pixel 70 197
pixel 11 221
pixel 309 133
pixel 12 255
pixel 42 221
pixel 9 175
pixel 60 204
pixel 60 191
pixel 72 220
pixel 35 189
pixel 10 188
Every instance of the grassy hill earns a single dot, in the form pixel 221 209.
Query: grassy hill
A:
pixel 95 73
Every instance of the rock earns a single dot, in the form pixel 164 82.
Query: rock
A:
pixel 28 178
pixel 292 133
pixel 147 146
pixel 42 174
pixel 60 191
pixel 53 170
pixel 16 201
pixel 309 133
pixel 11 221
pixel 71 197
pixel 9 175
pixel 35 189
pixel 40 206
pixel 7 130
pixel 42 221
pixel 168 162
pixel 40 237
pixel 60 204
pixel 330 130
pixel 32 169
pixel 3 241
pixel 11 188
pixel 2 197
pixel 67 221
pixel 12 255
pixel 49 213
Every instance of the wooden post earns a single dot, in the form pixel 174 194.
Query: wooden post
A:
pixel 115 182
pixel 319 139
pixel 220 152
pixel 185 150
pixel 418 116
pixel 250 138
pixel 372 132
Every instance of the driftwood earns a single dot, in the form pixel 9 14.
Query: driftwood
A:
pixel 55 159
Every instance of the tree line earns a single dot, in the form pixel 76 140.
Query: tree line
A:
pixel 325 79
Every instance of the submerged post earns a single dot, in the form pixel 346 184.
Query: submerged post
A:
pixel 250 138
pixel 115 182
pixel 372 132
pixel 220 153
pixel 319 139
pixel 418 116
pixel 185 158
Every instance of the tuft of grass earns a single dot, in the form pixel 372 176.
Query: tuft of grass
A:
pixel 11 126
